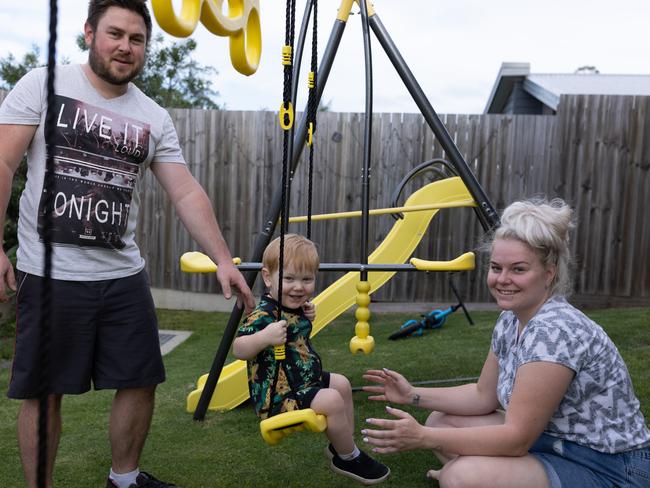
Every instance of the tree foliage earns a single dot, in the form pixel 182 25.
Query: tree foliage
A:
pixel 11 70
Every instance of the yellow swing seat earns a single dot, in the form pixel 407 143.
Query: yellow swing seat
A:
pixel 274 428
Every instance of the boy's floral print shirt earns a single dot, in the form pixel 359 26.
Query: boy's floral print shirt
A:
pixel 299 373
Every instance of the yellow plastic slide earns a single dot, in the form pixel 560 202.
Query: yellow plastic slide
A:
pixel 396 248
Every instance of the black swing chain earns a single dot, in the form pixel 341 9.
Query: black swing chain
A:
pixel 288 79
pixel 286 119
pixel 46 292
pixel 312 109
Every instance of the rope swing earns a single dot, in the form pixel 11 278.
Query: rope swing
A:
pixel 274 428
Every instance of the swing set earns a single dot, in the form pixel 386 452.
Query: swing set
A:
pixel 242 26
pixel 394 254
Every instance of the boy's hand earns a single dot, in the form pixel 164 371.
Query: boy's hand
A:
pixel 276 333
pixel 310 310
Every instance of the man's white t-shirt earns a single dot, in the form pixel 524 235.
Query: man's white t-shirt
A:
pixel 102 149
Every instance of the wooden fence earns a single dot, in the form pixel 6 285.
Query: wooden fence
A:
pixel 594 154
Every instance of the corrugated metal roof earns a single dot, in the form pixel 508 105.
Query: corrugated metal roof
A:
pixel 592 84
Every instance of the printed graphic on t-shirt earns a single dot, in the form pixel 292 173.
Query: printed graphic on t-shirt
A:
pixel 97 158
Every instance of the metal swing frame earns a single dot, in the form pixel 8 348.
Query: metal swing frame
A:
pixel 485 210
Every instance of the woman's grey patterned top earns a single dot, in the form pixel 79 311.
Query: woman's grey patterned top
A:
pixel 599 409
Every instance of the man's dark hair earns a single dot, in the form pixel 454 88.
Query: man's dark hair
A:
pixel 97 8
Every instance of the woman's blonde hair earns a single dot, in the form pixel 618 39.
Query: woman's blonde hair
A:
pixel 543 225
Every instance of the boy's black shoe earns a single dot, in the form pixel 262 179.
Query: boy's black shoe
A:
pixel 363 468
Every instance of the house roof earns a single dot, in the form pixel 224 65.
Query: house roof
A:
pixel 548 87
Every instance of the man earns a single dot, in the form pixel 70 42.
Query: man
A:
pixel 103 325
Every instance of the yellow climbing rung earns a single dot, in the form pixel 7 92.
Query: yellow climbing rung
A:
pixel 273 429
pixel 463 262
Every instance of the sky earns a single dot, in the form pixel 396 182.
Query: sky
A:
pixel 453 47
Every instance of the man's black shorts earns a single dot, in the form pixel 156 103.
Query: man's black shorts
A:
pixel 105 331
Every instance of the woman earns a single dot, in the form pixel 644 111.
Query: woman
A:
pixel 554 404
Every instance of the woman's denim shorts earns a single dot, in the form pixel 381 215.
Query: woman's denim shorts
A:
pixel 571 465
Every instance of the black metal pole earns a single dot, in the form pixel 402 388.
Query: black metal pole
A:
pixel 460 301
pixel 485 211
pixel 367 140
pixel 268 228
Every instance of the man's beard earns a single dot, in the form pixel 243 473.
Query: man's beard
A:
pixel 102 69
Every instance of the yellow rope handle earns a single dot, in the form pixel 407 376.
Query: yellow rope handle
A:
pixel 286 55
pixel 286 116
pixel 280 352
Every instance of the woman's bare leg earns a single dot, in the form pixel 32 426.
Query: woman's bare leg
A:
pixel 492 472
pixel 439 419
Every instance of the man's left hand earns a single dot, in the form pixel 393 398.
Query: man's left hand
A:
pixel 231 279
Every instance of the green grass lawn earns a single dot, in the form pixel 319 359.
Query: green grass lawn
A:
pixel 226 450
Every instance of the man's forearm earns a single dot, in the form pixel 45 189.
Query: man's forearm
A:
pixel 6 179
pixel 14 141
pixel 197 215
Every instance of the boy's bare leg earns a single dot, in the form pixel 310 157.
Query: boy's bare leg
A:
pixel 341 384
pixel 330 403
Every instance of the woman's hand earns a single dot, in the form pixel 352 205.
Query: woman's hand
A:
pixel 276 333
pixel 402 434
pixel 310 310
pixel 391 386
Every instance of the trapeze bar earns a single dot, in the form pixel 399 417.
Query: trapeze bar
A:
pixel 363 267
pixel 469 202
pixel 196 262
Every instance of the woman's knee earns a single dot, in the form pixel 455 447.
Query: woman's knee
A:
pixel 460 473
pixel 437 419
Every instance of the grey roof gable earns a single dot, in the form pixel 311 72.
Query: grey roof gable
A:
pixel 547 88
